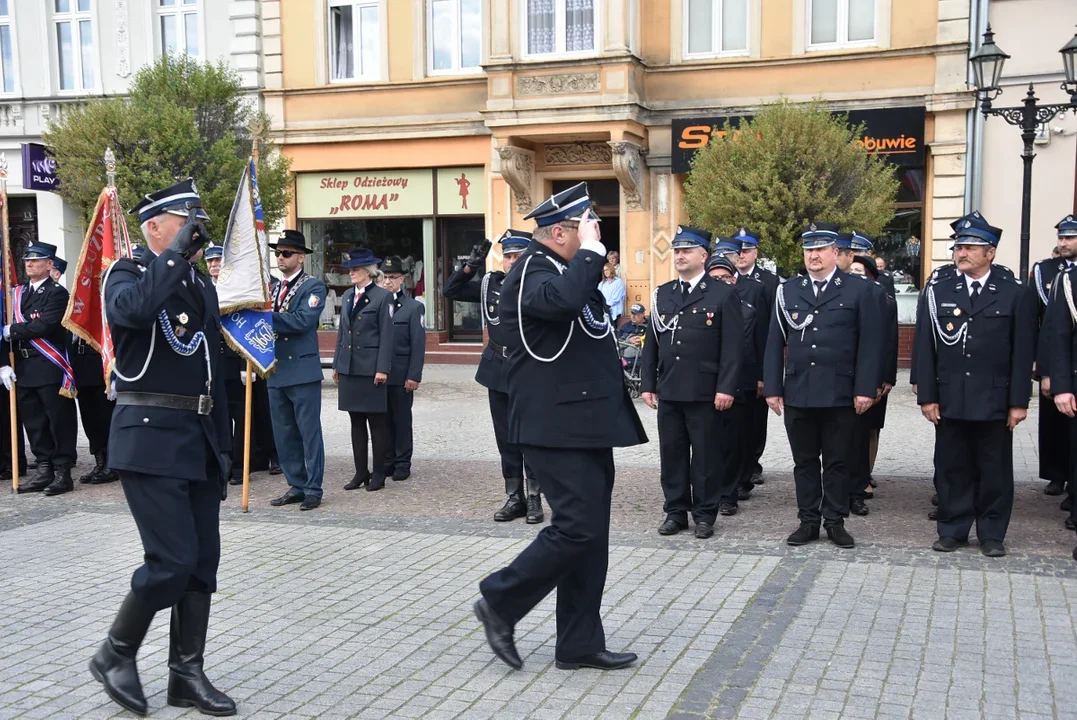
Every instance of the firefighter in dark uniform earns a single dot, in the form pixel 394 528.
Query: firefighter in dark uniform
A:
pixel 1058 343
pixel 472 284
pixel 569 407
pixel 1053 426
pixel 975 342
pixel 829 323
pixel 737 441
pixel 406 372
pixel 747 268
pixel 172 446
pixel 46 386
pixel 690 374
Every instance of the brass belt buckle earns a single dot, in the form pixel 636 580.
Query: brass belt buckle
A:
pixel 205 404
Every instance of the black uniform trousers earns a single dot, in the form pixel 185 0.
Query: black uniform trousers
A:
pixel 399 422
pixel 179 522
pixel 974 478
pixel 51 423
pixel 513 464
pixel 759 416
pixel 95 409
pixel 237 411
pixel 860 459
pixel 1054 442
pixel 1071 486
pixel 691 459
pixel 5 434
pixel 738 453
pixel 822 491
pixel 263 446
pixel 377 437
pixel 570 554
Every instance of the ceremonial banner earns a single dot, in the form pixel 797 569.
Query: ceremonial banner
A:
pixel 243 284
pixel 106 241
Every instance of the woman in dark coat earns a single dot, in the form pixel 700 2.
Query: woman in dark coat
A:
pixel 361 365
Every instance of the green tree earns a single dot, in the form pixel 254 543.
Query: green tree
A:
pixel 785 167
pixel 182 118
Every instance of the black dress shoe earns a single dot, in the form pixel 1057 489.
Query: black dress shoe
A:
pixel 358 481
pixel 1065 505
pixel 1055 487
pixel 377 482
pixel 289 498
pixel 672 526
pixel 935 499
pixel 704 530
pixel 235 480
pixel 858 507
pixel 1075 553
pixel 757 478
pixel 498 634
pixel 744 493
pixel 275 468
pixel 872 482
pixel 399 475
pixel 803 535
pixel 992 548
pixel 535 515
pixel 63 482
pixel 310 502
pixel 727 509
pixel 840 536
pixel 933 514
pixel 515 507
pixel 604 660
pixel 948 544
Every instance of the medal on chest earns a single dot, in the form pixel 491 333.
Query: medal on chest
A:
pixel 710 318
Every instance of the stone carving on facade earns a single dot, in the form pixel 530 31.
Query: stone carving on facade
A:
pixel 518 168
pixel 123 40
pixel 661 194
pixel 579 154
pixel 660 245
pixel 568 84
pixel 628 167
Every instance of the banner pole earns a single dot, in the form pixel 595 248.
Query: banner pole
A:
pixel 247 437
pixel 9 308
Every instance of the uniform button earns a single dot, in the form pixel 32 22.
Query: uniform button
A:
pixel 815 329
pixel 813 347
pixel 145 420
pixel 678 342
pixel 171 263
pixel 677 358
pixel 583 393
pixel 813 364
pixel 586 259
pixel 289 357
pixel 968 374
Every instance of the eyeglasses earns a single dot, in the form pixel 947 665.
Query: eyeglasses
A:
pixel 284 253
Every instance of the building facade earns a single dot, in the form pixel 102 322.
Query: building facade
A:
pixel 56 53
pixel 418 127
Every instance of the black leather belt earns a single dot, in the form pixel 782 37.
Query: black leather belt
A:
pixel 201 404
pixel 27 350
pixel 499 349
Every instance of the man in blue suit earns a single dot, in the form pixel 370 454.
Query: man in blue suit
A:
pixel 295 388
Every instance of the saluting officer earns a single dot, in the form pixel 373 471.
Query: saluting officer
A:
pixel 1058 343
pixel 748 270
pixel 829 323
pixel 172 446
pixel 739 437
pixel 691 374
pixel 569 408
pixel 975 341
pixel 1053 431
pixel 406 372
pixel 46 386
pixel 472 284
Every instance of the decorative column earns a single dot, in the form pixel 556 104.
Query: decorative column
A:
pixel 628 167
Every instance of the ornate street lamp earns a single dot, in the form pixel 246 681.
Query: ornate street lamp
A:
pixel 987 64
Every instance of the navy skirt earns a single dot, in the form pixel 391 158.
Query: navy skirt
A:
pixel 358 393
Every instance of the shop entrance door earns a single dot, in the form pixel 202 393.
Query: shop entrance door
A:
pixel 457 237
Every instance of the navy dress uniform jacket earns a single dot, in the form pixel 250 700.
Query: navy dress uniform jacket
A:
pixel 153 440
pixel 409 341
pixel 85 363
pixel 364 339
pixel 1042 278
pixel 580 401
pixel 702 356
pixel 1059 339
pixel 770 283
pixel 834 358
pixel 982 376
pixel 753 301
pixel 295 325
pixel 464 287
pixel 44 310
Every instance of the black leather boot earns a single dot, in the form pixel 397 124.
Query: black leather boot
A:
pixel 41 479
pixel 99 466
pixel 62 483
pixel 114 664
pixel 188 685
pixel 101 472
pixel 534 502
pixel 515 506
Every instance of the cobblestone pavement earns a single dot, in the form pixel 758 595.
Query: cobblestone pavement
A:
pixel 362 608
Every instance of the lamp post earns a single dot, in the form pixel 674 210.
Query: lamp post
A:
pixel 987 64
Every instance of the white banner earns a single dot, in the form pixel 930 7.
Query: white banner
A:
pixel 244 279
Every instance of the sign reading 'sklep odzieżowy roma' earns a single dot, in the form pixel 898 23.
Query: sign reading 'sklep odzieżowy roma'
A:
pixel 896 134
pixel 366 193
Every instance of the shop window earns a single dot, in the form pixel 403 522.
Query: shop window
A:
pixel 458 236
pixel 901 244
pixel 354 40
pixel 841 23
pixel 454 36
pixel 72 22
pixel 178 28
pixel 7 49
pixel 716 27
pixel 559 27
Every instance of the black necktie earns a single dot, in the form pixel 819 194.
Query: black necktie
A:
pixel 976 292
pixel 684 290
pixel 819 285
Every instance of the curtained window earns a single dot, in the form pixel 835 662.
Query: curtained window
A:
pixel 559 26
pixel 354 40
pixel 716 27
pixel 837 23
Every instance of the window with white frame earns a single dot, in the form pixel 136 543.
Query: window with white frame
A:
pixel 178 26
pixel 716 27
pixel 72 22
pixel 454 32
pixel 7 49
pixel 560 26
pixel 354 39
pixel 841 23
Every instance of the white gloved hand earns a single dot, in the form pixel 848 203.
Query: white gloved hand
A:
pixel 243 376
pixel 7 332
pixel 7 376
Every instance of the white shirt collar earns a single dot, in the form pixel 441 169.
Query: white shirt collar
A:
pixel 694 281
pixel 293 276
pixel 748 272
pixel 825 280
pixel 35 285
pixel 981 280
